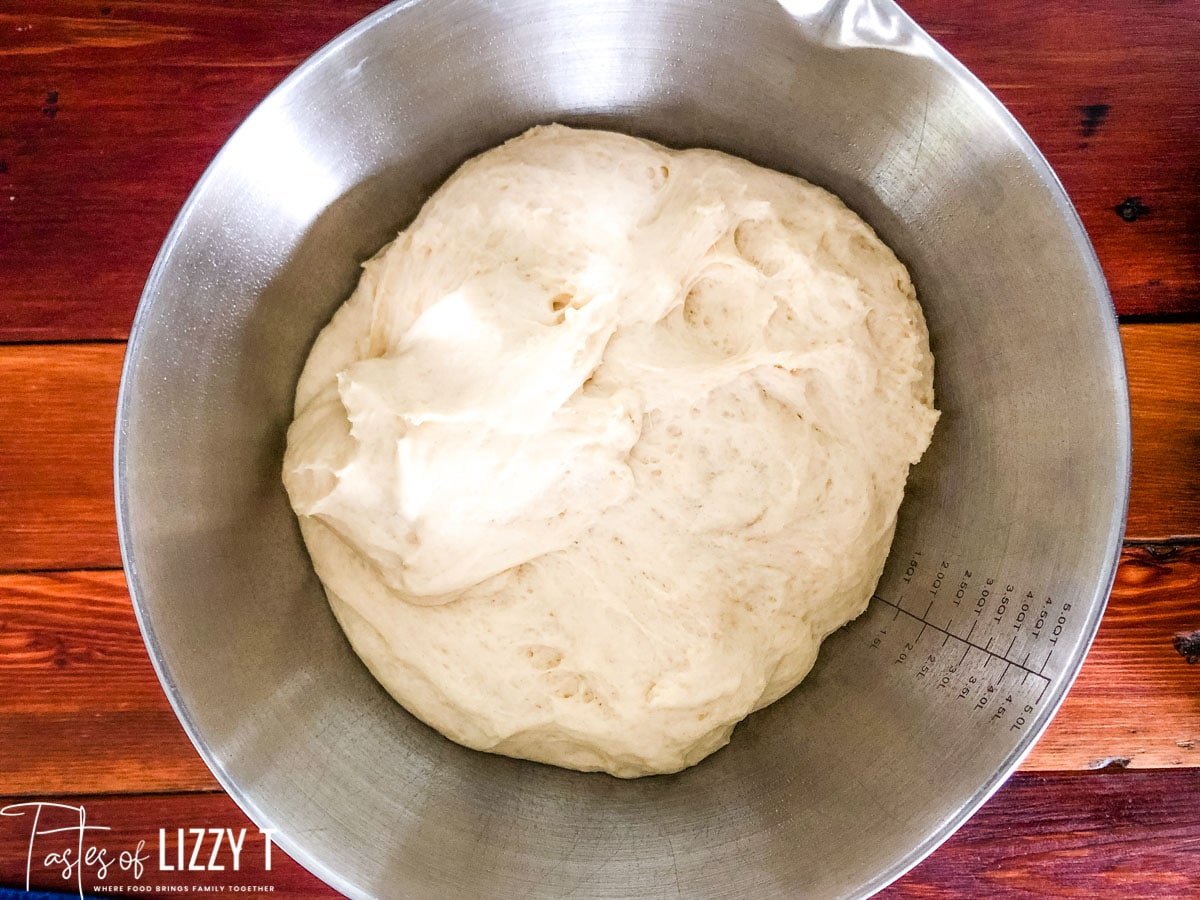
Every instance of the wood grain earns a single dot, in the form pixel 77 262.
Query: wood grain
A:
pixel 1110 93
pixel 1083 835
pixel 1136 702
pixel 81 710
pixel 109 113
pixel 143 97
pixel 83 713
pixel 1133 834
pixel 1163 366
pixel 59 406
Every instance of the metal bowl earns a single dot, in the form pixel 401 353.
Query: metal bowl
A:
pixel 915 712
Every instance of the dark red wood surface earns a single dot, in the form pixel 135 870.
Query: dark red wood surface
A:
pixel 1110 92
pixel 1120 835
pixel 144 94
pixel 110 110
pixel 1130 835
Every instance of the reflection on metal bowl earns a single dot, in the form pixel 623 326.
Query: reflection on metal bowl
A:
pixel 915 712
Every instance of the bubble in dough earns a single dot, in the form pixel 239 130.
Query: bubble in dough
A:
pixel 606 443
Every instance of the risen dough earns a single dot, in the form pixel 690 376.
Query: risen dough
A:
pixel 606 443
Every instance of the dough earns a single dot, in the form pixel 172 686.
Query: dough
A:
pixel 605 444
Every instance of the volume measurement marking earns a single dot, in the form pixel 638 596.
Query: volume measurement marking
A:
pixel 970 645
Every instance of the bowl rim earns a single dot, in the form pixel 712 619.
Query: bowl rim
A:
pixel 263 819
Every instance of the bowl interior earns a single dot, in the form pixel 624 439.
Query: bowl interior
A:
pixel 1007 539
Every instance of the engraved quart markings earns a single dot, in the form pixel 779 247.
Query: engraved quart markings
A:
pixel 979 639
pixel 983 679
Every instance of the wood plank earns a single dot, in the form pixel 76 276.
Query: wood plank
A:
pixel 1163 363
pixel 144 94
pixel 1127 834
pixel 1136 702
pixel 59 402
pixel 1124 834
pixel 1110 93
pixel 82 712
pixel 58 407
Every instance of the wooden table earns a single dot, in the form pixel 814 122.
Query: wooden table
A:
pixel 109 111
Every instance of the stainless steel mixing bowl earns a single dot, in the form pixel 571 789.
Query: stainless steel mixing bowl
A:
pixel 914 714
